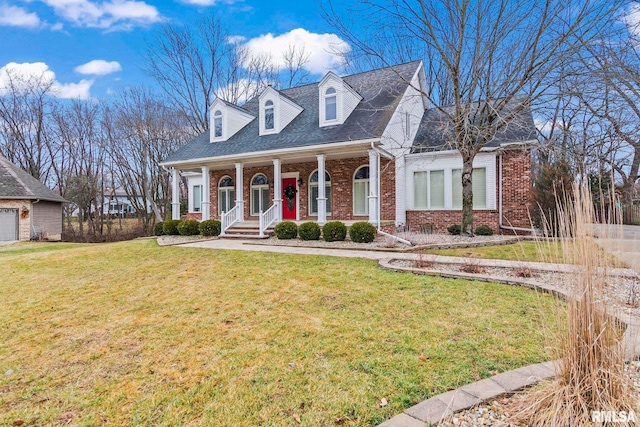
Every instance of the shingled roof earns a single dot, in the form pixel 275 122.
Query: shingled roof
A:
pixel 15 183
pixel 380 89
pixel 435 132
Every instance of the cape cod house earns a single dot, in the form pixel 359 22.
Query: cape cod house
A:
pixel 360 147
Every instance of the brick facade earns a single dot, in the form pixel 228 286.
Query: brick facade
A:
pixel 341 172
pixel 516 187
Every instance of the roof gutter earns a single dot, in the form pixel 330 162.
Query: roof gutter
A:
pixel 279 152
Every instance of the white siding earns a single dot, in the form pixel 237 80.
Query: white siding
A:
pixel 401 191
pixel 191 181
pixel 447 161
pixel 346 99
pixel 232 120
pixel 284 110
pixel 288 112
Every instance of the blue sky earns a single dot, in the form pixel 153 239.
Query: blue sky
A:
pixel 91 48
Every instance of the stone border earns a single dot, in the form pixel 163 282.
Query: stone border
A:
pixel 437 408
pixel 196 239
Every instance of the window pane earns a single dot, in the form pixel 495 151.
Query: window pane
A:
pixel 255 201
pixel 222 201
pixel 226 182
pixel 268 118
pixel 327 194
pixel 362 173
pixel 217 123
pixel 330 108
pixel 436 188
pixel 232 199
pixel 265 199
pixel 197 197
pixel 360 201
pixel 479 185
pixel 313 202
pixel 259 179
pixel 420 190
pixel 456 190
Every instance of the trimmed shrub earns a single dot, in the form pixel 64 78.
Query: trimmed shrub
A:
pixel 484 230
pixel 157 229
pixel 189 227
pixel 334 231
pixel 309 231
pixel 362 232
pixel 286 230
pixel 454 229
pixel 170 227
pixel 210 227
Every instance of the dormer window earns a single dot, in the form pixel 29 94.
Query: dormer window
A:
pixel 269 116
pixel 217 124
pixel 330 105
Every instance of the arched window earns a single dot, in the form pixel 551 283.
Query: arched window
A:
pixel 259 194
pixel 313 192
pixel 226 194
pixel 269 116
pixel 361 191
pixel 217 124
pixel 330 109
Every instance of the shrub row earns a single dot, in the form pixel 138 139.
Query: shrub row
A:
pixel 190 227
pixel 483 230
pixel 333 231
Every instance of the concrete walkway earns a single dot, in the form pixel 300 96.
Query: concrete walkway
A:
pixel 246 245
pixel 622 241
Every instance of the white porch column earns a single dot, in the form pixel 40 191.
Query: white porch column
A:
pixel 175 194
pixel 373 187
pixel 239 188
pixel 277 188
pixel 322 197
pixel 205 204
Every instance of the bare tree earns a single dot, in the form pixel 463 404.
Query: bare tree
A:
pixel 295 58
pixel 480 56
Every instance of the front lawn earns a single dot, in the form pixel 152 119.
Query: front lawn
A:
pixel 133 334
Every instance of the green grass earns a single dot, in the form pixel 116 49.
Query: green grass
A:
pixel 521 251
pixel 133 334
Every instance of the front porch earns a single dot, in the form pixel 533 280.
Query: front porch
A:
pixel 350 187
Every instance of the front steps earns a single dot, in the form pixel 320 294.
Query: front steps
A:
pixel 246 230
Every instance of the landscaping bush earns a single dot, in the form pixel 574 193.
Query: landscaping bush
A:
pixel 189 227
pixel 334 231
pixel 170 227
pixel 309 231
pixel 362 232
pixel 286 230
pixel 484 230
pixel 454 229
pixel 157 229
pixel 210 227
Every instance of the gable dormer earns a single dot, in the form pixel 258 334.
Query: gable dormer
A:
pixel 337 100
pixel 226 120
pixel 276 111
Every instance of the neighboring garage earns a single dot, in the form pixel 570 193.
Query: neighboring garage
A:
pixel 28 209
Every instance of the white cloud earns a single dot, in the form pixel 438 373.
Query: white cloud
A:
pixel 236 39
pixel 98 67
pixel 200 2
pixel 240 91
pixel 324 50
pixel 14 16
pixel 113 14
pixel 22 76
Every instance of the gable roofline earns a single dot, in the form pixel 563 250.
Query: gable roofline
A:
pixel 281 96
pixel 16 183
pixel 230 105
pixel 332 75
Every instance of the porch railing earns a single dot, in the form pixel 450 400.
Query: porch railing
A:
pixel 267 218
pixel 229 218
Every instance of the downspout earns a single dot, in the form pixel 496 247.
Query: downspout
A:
pixel 500 224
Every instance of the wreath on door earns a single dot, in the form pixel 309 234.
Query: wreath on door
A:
pixel 290 194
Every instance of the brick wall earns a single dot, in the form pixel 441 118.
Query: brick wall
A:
pixel 516 187
pixel 24 224
pixel 341 172
pixel 194 215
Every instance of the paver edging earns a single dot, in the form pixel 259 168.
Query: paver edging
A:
pixel 437 408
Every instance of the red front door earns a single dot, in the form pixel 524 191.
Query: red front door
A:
pixel 289 198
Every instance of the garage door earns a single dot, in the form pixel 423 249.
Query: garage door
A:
pixel 8 224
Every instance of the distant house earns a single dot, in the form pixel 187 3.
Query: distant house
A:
pixel 118 202
pixel 28 209
pixel 362 147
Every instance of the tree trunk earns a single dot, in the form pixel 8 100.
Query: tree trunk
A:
pixel 467 196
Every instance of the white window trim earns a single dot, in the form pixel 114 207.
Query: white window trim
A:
pixel 315 184
pixel 276 113
pixel 337 85
pixel 227 189
pixel 353 191
pixel 251 188
pixel 222 121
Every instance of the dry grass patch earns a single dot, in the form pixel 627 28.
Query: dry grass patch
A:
pixel 133 334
